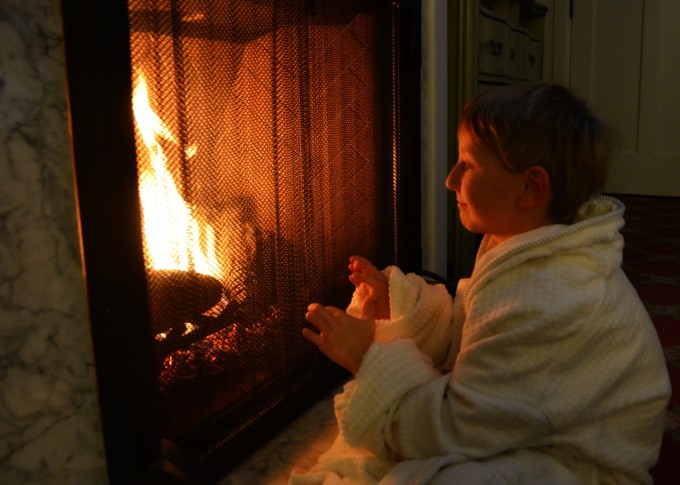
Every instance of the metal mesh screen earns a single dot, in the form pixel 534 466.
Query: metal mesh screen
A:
pixel 264 132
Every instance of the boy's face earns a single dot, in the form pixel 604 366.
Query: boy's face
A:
pixel 486 192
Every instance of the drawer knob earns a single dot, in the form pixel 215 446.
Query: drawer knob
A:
pixel 496 47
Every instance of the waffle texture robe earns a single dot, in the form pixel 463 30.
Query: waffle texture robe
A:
pixel 545 368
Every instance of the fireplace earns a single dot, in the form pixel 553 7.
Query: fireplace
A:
pixel 230 156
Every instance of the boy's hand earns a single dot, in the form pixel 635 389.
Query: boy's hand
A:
pixel 342 338
pixel 365 274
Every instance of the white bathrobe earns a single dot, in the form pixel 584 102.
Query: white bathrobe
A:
pixel 545 369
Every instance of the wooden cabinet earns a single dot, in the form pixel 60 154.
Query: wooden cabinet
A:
pixel 510 43
pixel 494 45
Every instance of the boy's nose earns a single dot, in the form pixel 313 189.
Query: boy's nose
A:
pixel 453 180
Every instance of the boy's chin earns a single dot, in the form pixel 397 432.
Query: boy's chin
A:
pixel 468 225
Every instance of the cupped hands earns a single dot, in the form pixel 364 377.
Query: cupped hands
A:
pixel 341 337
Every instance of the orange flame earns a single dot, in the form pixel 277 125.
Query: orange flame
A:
pixel 175 239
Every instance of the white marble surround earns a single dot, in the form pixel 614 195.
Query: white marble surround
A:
pixel 50 431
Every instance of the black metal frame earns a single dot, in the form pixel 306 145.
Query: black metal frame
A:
pixel 103 144
pixel 97 47
pixel 409 250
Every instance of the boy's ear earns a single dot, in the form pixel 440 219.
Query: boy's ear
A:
pixel 536 188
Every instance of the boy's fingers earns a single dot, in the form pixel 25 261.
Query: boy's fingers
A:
pixel 359 263
pixel 354 264
pixel 316 318
pixel 368 309
pixel 372 280
pixel 333 311
pixel 324 311
pixel 313 337
pixel 322 317
pixel 318 309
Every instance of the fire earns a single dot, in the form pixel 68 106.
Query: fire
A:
pixel 175 239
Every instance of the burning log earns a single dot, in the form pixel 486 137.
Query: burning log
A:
pixel 181 296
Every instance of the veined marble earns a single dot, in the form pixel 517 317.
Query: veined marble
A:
pixel 50 431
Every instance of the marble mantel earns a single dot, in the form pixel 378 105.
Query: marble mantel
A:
pixel 49 419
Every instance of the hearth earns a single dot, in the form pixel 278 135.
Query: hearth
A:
pixel 230 156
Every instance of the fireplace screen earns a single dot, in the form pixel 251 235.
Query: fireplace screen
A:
pixel 262 167
pixel 273 139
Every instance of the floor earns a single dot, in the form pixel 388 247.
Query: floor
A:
pixel 651 259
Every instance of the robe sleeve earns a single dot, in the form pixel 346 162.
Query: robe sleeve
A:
pixel 540 365
pixel 419 311
pixel 492 399
pixel 400 406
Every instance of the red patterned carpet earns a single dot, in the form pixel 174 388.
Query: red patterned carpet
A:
pixel 651 259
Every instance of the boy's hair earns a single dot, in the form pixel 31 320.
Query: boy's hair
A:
pixel 544 124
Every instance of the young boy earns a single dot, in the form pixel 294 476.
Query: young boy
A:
pixel 545 368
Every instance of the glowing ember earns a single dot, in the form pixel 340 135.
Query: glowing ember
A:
pixel 229 352
pixel 175 238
